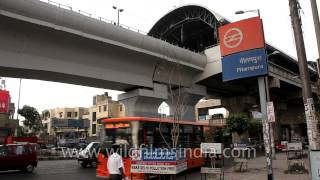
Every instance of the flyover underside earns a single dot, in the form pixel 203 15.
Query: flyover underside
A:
pixel 32 48
pixel 63 78
pixel 37 52
pixel 249 86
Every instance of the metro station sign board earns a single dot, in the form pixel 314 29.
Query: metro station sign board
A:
pixel 241 36
pixel 244 64
pixel 242 49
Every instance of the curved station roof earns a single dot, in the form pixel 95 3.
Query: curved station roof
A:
pixel 193 27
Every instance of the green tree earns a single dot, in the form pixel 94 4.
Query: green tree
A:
pixel 238 123
pixel 32 119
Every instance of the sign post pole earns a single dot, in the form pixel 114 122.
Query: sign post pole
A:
pixel 266 126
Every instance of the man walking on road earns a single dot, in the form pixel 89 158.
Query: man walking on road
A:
pixel 115 164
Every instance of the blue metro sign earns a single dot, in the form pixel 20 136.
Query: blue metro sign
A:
pixel 244 64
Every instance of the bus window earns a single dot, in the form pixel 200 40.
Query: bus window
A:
pixel 118 133
pixel 149 134
pixel 185 139
pixel 122 133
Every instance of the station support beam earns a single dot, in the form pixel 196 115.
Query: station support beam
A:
pixel 144 102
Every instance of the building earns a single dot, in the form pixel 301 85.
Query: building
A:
pixel 66 125
pixel 8 125
pixel 103 107
pixel 211 111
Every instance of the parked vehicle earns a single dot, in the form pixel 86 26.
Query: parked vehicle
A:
pixel 18 157
pixel 88 156
pixel 58 151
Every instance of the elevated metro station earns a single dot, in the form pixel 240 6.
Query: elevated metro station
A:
pixel 179 56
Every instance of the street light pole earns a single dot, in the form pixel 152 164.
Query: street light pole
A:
pixel 118 18
pixel 119 10
pixel 265 126
pixel 264 97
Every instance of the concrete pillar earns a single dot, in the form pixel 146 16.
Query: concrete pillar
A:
pixel 144 102
pixel 239 104
pixel 191 97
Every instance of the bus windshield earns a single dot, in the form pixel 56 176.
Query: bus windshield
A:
pixel 119 133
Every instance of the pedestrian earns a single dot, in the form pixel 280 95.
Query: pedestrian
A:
pixel 115 164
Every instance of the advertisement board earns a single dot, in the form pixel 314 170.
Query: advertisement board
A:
pixel 4 101
pixel 244 64
pixel 241 36
pixel 296 146
pixel 270 112
pixel 158 161
pixel 211 148
pixel 158 167
pixel 166 155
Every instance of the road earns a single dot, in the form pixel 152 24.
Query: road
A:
pixel 70 170
pixel 56 170
pixel 53 170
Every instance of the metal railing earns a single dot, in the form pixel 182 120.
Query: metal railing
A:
pixel 283 72
pixel 67 7
pixel 289 75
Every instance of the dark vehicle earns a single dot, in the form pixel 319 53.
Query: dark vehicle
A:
pixel 18 157
pixel 88 156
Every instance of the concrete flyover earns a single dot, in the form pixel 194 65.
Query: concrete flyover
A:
pixel 42 41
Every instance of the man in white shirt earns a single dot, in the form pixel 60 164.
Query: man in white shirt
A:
pixel 115 164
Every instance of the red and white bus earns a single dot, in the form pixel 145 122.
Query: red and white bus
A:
pixel 145 131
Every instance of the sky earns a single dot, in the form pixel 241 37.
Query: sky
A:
pixel 143 14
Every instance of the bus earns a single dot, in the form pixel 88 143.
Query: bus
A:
pixel 145 132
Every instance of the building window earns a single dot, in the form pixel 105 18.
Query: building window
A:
pixel 60 114
pixel 75 114
pixel 94 116
pixel 120 107
pixel 99 108
pixel 105 108
pixel 69 114
pixel 94 128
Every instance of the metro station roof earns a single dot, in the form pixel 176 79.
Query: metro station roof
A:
pixel 195 27
pixel 191 26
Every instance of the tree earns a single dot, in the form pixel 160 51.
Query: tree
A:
pixel 255 129
pixel 32 119
pixel 170 74
pixel 238 123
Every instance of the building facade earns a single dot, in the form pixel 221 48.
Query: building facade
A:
pixel 66 125
pixel 102 107
pixel 8 125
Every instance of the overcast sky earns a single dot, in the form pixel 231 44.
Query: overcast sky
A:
pixel 142 14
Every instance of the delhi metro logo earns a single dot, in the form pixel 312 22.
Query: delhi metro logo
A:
pixel 232 38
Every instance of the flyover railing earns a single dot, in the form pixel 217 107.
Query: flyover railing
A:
pixel 287 75
pixel 67 7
